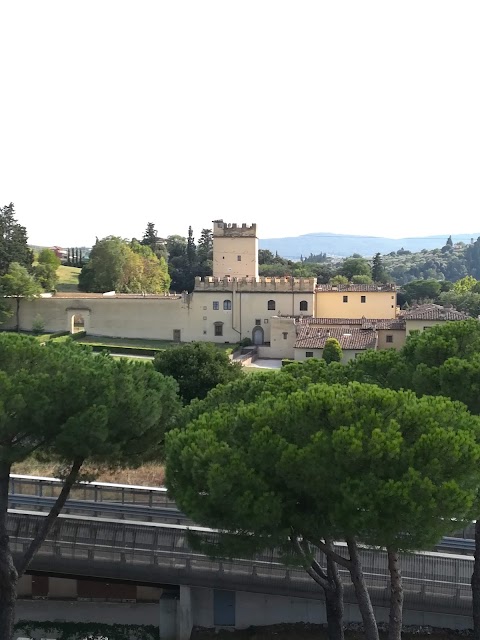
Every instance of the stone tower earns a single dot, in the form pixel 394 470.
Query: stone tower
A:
pixel 235 250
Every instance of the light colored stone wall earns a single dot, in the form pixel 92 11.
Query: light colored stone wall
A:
pixel 398 336
pixel 235 250
pixel 420 325
pixel 282 337
pixel 347 354
pixel 378 304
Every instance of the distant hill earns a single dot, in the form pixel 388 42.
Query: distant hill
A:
pixel 337 244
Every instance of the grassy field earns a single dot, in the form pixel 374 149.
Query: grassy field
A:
pixel 67 278
pixel 150 475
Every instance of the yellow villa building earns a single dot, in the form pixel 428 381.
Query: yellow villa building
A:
pixel 285 317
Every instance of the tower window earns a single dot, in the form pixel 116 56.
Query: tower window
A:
pixel 345 298
pixel 363 298
pixel 239 258
pixel 271 305
pixel 303 305
pixel 285 335
pixel 227 305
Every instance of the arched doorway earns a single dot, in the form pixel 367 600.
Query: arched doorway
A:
pixel 78 323
pixel 257 335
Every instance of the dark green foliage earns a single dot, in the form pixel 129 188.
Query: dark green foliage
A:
pixel 332 352
pixel 156 244
pixel 325 460
pixel 45 270
pixel 378 270
pixel 197 367
pixel 422 291
pixel 13 241
pixel 88 630
pixel 355 266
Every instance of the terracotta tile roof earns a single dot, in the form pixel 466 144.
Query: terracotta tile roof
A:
pixel 364 323
pixel 356 287
pixel 311 337
pixel 433 312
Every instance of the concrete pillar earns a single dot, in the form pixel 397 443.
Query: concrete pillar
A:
pixel 184 614
pixel 168 617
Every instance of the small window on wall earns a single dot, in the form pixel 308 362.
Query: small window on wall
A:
pixel 271 305
pixel 303 305
pixel 389 338
pixel 218 328
pixel 285 335
pixel 227 305
pixel 308 354
pixel 216 305
pixel 363 298
pixel 239 258
pixel 345 298
pixel 258 322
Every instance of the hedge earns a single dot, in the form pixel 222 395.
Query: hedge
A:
pixel 89 630
pixel 125 351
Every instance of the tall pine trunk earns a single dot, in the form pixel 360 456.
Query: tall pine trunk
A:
pixel 396 596
pixel 48 522
pixel 334 601
pixel 8 573
pixel 476 584
pixel 361 592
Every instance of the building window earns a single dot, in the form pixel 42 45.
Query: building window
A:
pixel 345 298
pixel 177 335
pixel 218 328
pixel 303 305
pixel 389 338
pixel 308 354
pixel 265 321
pixel 239 258
pixel 258 322
pixel 363 298
pixel 216 305
pixel 285 335
pixel 227 305
pixel 271 305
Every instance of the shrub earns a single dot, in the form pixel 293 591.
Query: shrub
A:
pixel 38 324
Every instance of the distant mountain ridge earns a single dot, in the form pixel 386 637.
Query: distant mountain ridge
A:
pixel 338 244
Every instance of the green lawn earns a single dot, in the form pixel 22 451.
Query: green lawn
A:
pixel 67 278
pixel 139 342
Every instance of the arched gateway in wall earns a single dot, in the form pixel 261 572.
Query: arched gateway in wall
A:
pixel 257 335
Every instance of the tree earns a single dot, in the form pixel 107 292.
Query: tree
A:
pixel 302 468
pixel 265 256
pixel 449 241
pixel 361 280
pixel 46 269
pixel 191 260
pixel 197 367
pixel 116 265
pixel 355 266
pixel 18 283
pixel 177 262
pixel 156 244
pixel 13 241
pixel 338 279
pixel 422 290
pixel 205 253
pixel 378 270
pixel 81 410
pixel 464 285
pixel 332 352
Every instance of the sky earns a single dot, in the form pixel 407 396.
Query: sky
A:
pixel 346 117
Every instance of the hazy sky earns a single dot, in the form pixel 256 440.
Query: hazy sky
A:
pixel 312 115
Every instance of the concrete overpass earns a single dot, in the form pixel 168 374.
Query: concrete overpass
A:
pixel 437 585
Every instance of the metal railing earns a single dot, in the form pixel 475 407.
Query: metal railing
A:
pixel 160 554
pixel 93 491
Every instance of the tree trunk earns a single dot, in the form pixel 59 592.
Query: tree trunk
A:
pixel 334 600
pixel 361 592
pixel 396 596
pixel 476 584
pixel 8 573
pixel 17 316
pixel 47 523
